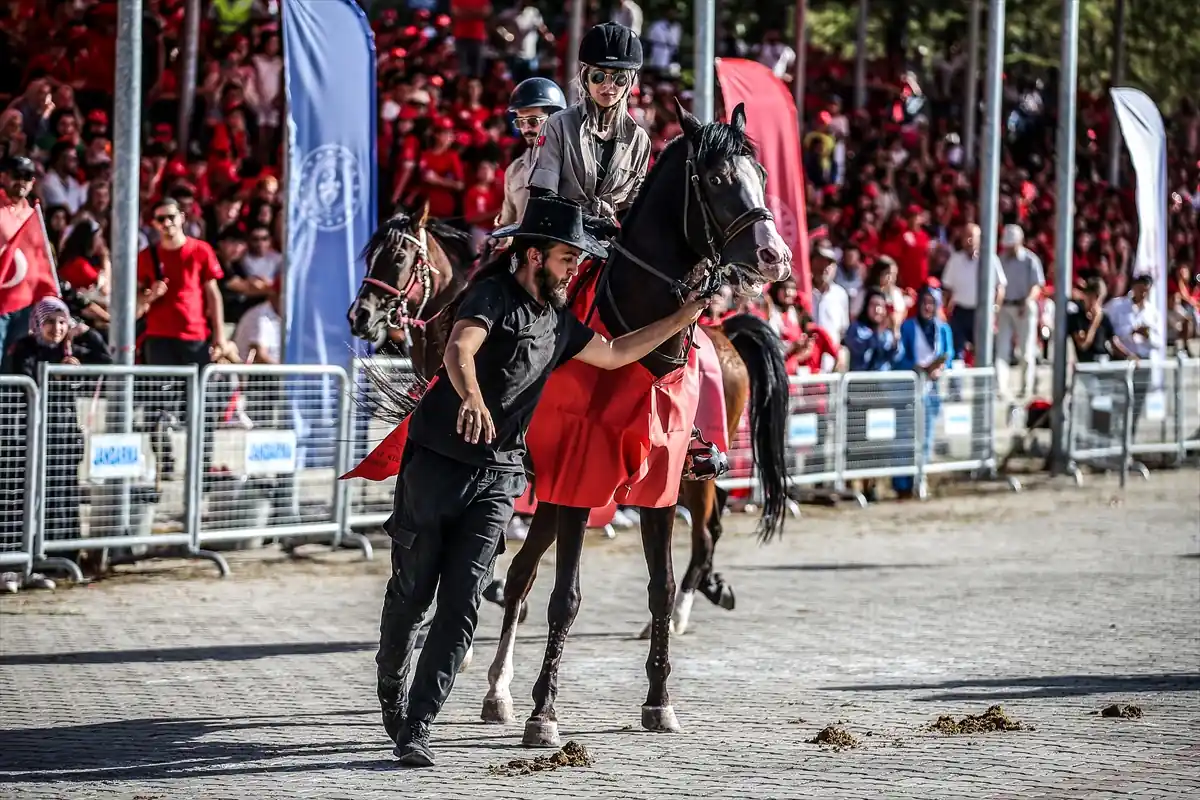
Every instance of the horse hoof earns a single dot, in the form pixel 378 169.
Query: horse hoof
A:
pixel 540 733
pixel 467 659
pixel 660 719
pixel 727 599
pixel 498 711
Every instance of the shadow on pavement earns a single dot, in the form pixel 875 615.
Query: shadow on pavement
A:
pixel 238 652
pixel 162 749
pixel 851 566
pixel 1036 687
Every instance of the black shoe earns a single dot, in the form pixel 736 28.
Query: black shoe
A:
pixel 393 700
pixel 494 593
pixel 412 748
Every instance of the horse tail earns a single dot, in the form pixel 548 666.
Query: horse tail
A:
pixel 392 396
pixel 760 348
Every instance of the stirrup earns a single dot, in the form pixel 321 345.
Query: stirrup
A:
pixel 704 462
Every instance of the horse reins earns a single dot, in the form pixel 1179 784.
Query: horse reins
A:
pixel 711 272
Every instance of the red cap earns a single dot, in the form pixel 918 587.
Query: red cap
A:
pixel 98 115
pixel 399 52
pixel 913 210
pixel 410 113
pixel 442 21
pixel 443 124
pixel 824 118
pixel 437 80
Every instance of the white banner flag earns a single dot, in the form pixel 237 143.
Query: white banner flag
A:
pixel 1146 139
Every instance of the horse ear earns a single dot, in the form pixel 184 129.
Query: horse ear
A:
pixel 738 120
pixel 420 214
pixel 687 121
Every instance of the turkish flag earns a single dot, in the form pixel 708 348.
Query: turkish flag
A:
pixel 772 123
pixel 26 272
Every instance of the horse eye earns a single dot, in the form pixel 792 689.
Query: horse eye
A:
pixel 715 180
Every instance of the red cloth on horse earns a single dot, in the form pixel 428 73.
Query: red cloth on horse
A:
pixel 600 436
pixel 384 461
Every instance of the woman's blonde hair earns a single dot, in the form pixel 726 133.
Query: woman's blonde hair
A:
pixel 593 114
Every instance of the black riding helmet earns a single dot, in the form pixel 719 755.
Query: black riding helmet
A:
pixel 611 46
pixel 537 93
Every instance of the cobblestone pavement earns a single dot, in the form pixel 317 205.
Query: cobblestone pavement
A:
pixel 1054 603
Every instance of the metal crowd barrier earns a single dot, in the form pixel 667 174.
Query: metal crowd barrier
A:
pixel 117 471
pixel 274 438
pixel 1100 417
pixel 19 418
pixel 881 431
pixel 370 502
pixel 1188 405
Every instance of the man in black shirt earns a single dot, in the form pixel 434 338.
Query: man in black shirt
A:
pixel 1090 328
pixel 462 467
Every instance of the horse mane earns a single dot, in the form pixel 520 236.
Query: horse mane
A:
pixel 456 243
pixel 388 240
pixel 715 142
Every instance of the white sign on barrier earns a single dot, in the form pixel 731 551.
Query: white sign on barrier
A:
pixel 1102 402
pixel 881 424
pixel 114 455
pixel 957 419
pixel 270 452
pixel 1156 406
pixel 802 430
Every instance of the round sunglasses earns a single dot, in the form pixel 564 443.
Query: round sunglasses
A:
pixel 599 76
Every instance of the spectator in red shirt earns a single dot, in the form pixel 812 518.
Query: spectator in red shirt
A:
pixel 482 203
pixel 179 324
pixel 442 172
pixel 470 33
pixel 84 261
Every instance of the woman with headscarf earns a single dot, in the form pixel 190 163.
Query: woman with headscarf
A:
pixel 873 341
pixel 54 338
pixel 928 344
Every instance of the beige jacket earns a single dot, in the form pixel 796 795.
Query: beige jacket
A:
pixel 516 189
pixel 563 165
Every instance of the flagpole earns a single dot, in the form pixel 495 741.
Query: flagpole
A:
pixel 705 41
pixel 127 120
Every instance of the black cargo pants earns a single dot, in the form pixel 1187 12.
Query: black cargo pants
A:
pixel 447 528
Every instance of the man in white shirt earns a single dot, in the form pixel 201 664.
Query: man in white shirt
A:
pixel 1135 319
pixel 262 260
pixel 830 302
pixel 260 331
pixel 629 14
pixel 774 53
pixel 960 285
pixel 59 187
pixel 663 37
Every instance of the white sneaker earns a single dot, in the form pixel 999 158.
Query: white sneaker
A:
pixel 517 530
pixel 36 580
pixel 10 582
pixel 622 521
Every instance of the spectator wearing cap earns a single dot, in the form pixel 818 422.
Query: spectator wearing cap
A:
pixel 61 186
pixel 830 301
pixel 960 284
pixel 441 170
pixel 1017 331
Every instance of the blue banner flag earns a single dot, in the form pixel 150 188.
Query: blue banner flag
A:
pixel 329 78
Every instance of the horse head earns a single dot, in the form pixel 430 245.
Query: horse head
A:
pixel 400 259
pixel 726 219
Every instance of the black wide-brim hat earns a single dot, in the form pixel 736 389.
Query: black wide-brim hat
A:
pixel 555 219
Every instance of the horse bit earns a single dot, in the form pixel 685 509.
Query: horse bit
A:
pixel 712 271
pixel 421 271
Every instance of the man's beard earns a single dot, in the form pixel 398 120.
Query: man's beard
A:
pixel 553 292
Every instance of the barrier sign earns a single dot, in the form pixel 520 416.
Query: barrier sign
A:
pixel 1102 402
pixel 1156 406
pixel 802 430
pixel 270 452
pixel 881 424
pixel 957 420
pixel 114 455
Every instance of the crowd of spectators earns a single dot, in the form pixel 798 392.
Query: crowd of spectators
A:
pixel 890 205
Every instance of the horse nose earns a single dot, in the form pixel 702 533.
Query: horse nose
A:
pixel 362 317
pixel 769 255
pixel 775 260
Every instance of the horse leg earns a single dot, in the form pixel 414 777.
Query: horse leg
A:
pixel 698 498
pixel 713 586
pixel 657 523
pixel 541 729
pixel 498 704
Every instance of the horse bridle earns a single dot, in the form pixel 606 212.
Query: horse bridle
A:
pixel 420 271
pixel 712 271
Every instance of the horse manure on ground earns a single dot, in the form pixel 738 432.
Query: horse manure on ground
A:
pixel 1119 711
pixel 572 754
pixel 992 720
pixel 835 737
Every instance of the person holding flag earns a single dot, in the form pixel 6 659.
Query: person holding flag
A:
pixel 26 270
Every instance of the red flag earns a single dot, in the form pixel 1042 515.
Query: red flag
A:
pixel 384 461
pixel 771 121
pixel 26 273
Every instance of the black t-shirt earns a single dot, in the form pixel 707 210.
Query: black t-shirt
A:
pixel 1079 322
pixel 525 342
